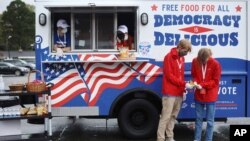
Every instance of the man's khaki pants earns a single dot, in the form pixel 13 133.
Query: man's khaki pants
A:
pixel 170 109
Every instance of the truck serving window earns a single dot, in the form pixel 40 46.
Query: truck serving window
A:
pixel 94 29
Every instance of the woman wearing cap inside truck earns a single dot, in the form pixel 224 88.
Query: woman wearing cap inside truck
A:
pixel 62 37
pixel 123 39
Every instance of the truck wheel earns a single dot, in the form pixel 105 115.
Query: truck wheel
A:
pixel 138 119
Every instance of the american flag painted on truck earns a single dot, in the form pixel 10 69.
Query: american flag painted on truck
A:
pixel 90 79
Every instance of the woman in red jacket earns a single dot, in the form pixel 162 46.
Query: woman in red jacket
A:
pixel 206 72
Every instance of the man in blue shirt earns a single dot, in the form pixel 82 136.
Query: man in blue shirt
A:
pixel 62 37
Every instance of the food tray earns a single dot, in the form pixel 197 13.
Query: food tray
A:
pixel 16 87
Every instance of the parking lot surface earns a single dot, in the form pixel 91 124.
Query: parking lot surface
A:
pixel 82 129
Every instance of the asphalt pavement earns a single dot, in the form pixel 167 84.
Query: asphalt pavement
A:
pixel 83 129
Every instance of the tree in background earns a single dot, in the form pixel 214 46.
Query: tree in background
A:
pixel 1 35
pixel 18 25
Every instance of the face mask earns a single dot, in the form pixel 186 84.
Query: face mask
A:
pixel 64 30
pixel 120 35
pixel 182 53
pixel 204 60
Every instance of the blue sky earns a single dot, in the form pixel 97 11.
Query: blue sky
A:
pixel 5 3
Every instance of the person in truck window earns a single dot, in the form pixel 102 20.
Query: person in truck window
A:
pixel 62 37
pixel 123 38
pixel 206 73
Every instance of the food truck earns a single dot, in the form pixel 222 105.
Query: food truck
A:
pixel 92 80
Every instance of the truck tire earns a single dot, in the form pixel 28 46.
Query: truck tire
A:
pixel 138 119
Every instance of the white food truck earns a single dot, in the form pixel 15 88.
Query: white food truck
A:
pixel 91 80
